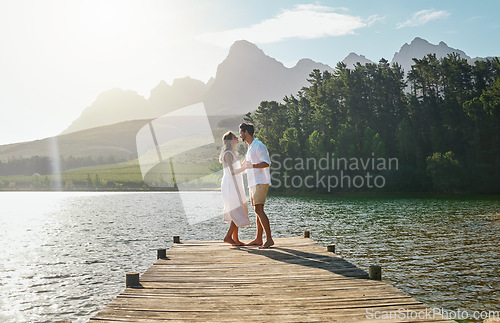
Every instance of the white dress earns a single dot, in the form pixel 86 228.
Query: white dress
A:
pixel 233 194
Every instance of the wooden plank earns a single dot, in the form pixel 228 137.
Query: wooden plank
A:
pixel 295 281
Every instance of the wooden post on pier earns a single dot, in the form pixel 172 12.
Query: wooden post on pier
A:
pixel 375 272
pixel 161 253
pixel 330 248
pixel 132 280
pixel 177 239
pixel 307 234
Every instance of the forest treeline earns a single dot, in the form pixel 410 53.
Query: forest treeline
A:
pixel 440 126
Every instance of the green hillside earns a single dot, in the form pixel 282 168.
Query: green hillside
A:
pixel 193 169
pixel 116 140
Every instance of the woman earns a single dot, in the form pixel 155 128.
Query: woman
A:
pixel 233 191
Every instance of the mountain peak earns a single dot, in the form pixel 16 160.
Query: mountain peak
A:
pixel 354 55
pixel 162 86
pixel 109 107
pixel 248 76
pixel 418 40
pixel 419 48
pixel 306 65
pixel 305 61
pixel 244 46
pixel 353 58
pixel 244 55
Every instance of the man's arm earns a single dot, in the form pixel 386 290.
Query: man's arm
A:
pixel 265 161
pixel 260 165
pixel 263 157
pixel 263 164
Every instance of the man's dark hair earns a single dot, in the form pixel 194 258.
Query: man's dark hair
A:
pixel 247 127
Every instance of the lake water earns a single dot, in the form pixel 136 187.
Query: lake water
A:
pixel 65 255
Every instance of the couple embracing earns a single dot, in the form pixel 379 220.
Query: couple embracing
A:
pixel 256 165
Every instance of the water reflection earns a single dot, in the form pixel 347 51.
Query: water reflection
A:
pixel 442 251
pixel 65 254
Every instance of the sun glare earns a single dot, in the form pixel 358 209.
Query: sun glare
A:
pixel 105 18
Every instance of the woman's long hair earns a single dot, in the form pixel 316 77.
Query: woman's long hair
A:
pixel 227 143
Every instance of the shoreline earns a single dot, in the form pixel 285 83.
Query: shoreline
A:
pixel 276 193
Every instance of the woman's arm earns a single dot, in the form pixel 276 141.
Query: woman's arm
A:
pixel 228 158
pixel 238 170
pixel 234 171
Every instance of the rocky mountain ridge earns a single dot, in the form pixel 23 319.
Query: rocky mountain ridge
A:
pixel 245 78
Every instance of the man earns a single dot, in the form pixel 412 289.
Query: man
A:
pixel 257 162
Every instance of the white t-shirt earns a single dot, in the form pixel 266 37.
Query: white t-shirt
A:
pixel 257 153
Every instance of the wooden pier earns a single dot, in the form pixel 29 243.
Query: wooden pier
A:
pixel 296 280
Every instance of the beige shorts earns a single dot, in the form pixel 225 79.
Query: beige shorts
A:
pixel 258 194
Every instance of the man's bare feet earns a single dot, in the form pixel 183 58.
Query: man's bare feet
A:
pixel 255 242
pixel 268 244
pixel 231 242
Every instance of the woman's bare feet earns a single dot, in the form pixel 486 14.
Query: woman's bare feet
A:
pixel 231 241
pixel 236 239
pixel 238 242
pixel 268 244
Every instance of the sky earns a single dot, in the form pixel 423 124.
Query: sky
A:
pixel 57 56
